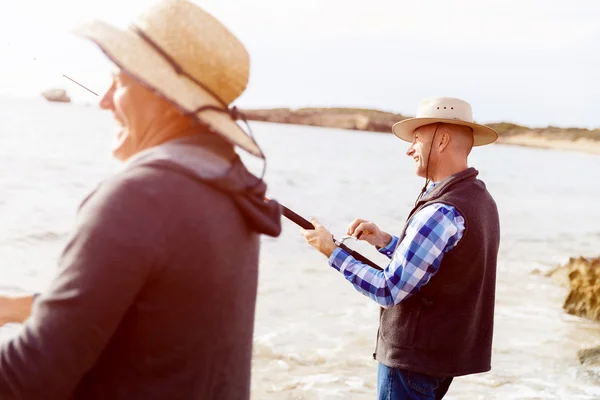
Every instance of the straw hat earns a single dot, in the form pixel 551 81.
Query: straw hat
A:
pixel 184 55
pixel 448 110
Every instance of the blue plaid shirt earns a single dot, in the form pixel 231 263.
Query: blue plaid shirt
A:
pixel 431 232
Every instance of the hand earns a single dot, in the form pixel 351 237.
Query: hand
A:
pixel 15 309
pixel 319 238
pixel 369 232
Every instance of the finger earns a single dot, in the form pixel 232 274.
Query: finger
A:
pixel 362 229
pixel 353 225
pixel 358 230
pixel 315 223
pixel 304 232
pixel 309 234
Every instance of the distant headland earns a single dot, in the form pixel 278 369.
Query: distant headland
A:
pixel 363 119
pixel 577 139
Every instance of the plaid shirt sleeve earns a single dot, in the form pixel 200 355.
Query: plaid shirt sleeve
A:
pixel 433 231
pixel 391 247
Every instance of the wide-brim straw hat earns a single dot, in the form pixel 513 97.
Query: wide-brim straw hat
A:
pixel 448 110
pixel 185 55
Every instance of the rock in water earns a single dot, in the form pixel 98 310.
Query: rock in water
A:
pixel 584 280
pixel 590 359
pixel 59 95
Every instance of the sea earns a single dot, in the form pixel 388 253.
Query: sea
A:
pixel 314 333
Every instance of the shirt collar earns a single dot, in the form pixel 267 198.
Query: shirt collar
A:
pixel 430 187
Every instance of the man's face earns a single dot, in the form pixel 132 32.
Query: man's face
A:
pixel 419 149
pixel 134 107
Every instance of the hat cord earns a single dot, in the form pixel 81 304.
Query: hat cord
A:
pixel 427 180
pixel 233 112
pixel 177 67
pixel 236 114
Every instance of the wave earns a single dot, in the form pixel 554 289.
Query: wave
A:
pixel 48 236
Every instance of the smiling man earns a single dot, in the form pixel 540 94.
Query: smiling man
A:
pixel 437 293
pixel 149 301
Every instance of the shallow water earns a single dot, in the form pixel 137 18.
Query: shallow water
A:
pixel 314 333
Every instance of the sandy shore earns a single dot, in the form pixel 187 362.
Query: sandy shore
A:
pixel 533 140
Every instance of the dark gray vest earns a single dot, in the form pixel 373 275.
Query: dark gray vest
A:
pixel 446 328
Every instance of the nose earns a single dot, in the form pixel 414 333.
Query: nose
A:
pixel 411 150
pixel 106 102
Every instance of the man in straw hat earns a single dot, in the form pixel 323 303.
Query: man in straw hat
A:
pixel 437 293
pixel 150 301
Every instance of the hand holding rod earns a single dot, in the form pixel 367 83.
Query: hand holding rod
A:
pixel 304 223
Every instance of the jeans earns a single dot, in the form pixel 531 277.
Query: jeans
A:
pixel 401 384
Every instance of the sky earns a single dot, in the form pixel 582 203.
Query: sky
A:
pixel 531 62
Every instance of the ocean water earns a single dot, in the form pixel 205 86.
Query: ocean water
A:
pixel 314 334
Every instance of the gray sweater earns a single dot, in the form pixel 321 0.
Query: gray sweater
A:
pixel 155 292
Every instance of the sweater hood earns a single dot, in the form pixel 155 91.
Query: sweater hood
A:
pixel 207 159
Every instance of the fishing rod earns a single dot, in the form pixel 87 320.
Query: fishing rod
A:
pixel 304 223
pixel 292 216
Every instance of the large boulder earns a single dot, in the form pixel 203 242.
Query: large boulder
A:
pixel 584 281
pixel 59 95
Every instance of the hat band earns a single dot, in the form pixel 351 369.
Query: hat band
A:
pixel 178 68
pixel 233 112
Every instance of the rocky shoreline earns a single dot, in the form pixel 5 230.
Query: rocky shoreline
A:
pixel 582 277
pixel 576 139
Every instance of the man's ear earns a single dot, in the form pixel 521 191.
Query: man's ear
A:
pixel 444 141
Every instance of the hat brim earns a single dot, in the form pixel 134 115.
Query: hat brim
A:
pixel 135 56
pixel 482 134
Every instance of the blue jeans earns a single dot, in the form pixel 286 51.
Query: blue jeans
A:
pixel 400 384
